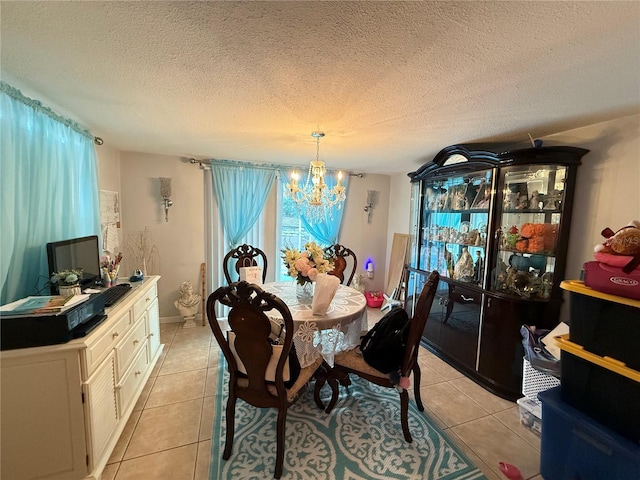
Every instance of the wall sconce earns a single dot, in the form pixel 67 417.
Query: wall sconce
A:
pixel 372 200
pixel 165 191
pixel 369 268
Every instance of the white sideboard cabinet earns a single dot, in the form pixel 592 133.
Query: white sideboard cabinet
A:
pixel 64 406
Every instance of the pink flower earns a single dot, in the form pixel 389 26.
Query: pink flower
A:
pixel 302 265
pixel 312 274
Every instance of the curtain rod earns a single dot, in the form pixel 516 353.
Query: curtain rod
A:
pixel 207 163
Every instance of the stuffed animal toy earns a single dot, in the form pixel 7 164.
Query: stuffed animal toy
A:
pixel 621 248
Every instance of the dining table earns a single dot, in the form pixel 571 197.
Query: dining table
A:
pixel 325 335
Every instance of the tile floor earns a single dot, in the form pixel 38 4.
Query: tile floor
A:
pixel 168 436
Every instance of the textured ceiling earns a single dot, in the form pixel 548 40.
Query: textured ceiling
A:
pixel 390 83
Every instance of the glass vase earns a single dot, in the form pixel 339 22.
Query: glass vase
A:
pixel 304 292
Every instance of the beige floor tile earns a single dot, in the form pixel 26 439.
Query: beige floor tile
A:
pixel 442 368
pixel 429 376
pixel 184 359
pixel 174 464
pixel 165 427
pixel 484 468
pixel 144 396
pixel 493 442
pixel 489 401
pixel 511 418
pixel 203 461
pixel 110 471
pixel 125 437
pixel 189 338
pixel 451 405
pixel 214 357
pixel 158 365
pixel 211 384
pixel 206 419
pixel 177 387
pixel 167 332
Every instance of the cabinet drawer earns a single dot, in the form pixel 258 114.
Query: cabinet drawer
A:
pixel 465 296
pixel 127 349
pixel 131 380
pixel 114 333
pixel 141 305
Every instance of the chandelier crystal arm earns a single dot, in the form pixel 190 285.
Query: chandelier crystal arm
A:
pixel 315 197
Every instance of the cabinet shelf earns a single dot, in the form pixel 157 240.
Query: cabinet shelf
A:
pixel 475 325
pixel 543 253
pixel 512 211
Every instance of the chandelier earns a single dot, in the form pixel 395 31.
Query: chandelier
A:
pixel 314 197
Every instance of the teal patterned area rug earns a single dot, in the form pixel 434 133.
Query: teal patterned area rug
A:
pixel 361 439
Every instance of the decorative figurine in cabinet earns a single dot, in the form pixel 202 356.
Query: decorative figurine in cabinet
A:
pixel 495 223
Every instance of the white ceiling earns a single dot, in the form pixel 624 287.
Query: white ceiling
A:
pixel 390 83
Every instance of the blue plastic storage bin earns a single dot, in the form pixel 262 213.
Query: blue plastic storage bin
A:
pixel 576 446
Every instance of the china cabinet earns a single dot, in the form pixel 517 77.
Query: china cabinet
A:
pixel 495 223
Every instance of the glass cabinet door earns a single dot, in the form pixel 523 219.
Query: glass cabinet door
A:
pixel 530 205
pixel 454 225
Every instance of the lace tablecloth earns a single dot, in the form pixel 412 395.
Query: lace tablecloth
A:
pixel 339 329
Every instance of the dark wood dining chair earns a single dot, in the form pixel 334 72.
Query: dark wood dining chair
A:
pixel 243 256
pixel 344 261
pixel 252 355
pixel 351 361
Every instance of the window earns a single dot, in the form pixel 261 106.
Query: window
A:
pixel 293 234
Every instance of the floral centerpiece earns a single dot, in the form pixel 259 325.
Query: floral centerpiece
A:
pixel 306 265
pixel 67 278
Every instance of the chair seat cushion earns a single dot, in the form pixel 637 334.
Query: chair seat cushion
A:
pixel 352 359
pixel 305 375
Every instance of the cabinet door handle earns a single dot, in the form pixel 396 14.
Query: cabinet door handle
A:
pixel 115 334
pixel 147 299
pixel 135 342
pixel 152 334
pixel 466 299
pixel 138 372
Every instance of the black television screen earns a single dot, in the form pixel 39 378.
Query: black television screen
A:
pixel 82 252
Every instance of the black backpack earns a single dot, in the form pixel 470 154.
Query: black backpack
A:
pixel 383 346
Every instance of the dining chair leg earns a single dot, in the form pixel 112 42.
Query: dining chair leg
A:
pixel 282 419
pixel 336 376
pixel 231 415
pixel 416 386
pixel 404 415
pixel 321 376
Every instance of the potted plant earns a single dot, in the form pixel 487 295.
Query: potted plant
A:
pixel 68 281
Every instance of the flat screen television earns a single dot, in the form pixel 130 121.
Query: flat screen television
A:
pixel 81 252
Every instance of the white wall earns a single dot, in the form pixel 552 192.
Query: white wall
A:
pixel 180 241
pixel 367 240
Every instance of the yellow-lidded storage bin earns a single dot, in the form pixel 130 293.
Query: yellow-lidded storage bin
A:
pixel 604 388
pixel 604 324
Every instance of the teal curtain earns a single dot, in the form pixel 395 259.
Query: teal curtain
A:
pixel 241 189
pixel 327 230
pixel 49 184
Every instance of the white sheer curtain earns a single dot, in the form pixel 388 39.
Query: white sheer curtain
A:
pixel 263 234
